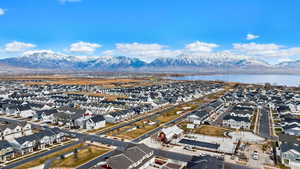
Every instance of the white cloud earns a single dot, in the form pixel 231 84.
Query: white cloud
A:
pixel 31 52
pixel 18 46
pixel 108 52
pixel 251 36
pixel 256 48
pixel 200 47
pixel 284 60
pixel 146 52
pixel 2 11
pixel 84 47
pixel 149 52
pixel 266 51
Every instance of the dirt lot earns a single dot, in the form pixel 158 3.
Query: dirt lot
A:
pixel 208 130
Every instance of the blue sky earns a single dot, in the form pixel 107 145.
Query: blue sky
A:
pixel 152 28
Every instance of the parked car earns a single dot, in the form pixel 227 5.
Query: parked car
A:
pixel 255 155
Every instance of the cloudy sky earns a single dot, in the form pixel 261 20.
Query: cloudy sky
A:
pixel 266 30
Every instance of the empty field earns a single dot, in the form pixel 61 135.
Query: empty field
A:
pixel 42 160
pixel 80 158
pixel 86 81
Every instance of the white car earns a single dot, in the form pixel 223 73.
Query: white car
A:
pixel 255 155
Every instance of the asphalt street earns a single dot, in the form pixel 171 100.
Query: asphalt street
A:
pixel 264 124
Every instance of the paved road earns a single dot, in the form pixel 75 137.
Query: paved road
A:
pixel 235 166
pixel 20 162
pixel 264 123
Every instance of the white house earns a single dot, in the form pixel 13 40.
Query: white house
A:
pixel 168 134
pixel 6 151
pixel 95 122
pixel 290 155
pixel 236 122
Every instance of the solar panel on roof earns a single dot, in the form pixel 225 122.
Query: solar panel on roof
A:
pixel 199 144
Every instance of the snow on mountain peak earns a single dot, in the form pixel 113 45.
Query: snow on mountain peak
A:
pixel 44 54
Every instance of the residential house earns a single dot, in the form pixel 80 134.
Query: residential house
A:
pixel 95 122
pixel 293 129
pixel 135 156
pixel 236 122
pixel 6 151
pixel 25 144
pixel 290 155
pixel 166 135
pixel 46 115
pixel 10 130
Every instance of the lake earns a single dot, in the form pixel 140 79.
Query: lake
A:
pixel 274 79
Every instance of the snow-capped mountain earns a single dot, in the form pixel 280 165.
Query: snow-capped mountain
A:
pixel 289 64
pixel 51 60
pixel 46 59
pixel 217 60
pixel 114 62
pixel 41 59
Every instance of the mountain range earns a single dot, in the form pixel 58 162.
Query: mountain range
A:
pixel 218 62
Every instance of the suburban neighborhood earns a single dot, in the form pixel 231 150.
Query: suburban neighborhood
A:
pixel 147 123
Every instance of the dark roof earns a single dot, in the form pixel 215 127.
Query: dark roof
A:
pixel 236 118
pixel 47 112
pixel 205 162
pixel 23 107
pixel 289 139
pixel 286 147
pixel 71 109
pixel 35 137
pixel 97 118
pixel 23 139
pixel 35 105
pixel 283 108
pixel 11 124
pixel 199 144
pixel 134 153
pixel 287 127
pixel 4 144
pixel 119 161
pixel 56 130
pixel 291 120
pixel 131 154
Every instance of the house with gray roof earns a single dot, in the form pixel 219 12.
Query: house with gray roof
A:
pixel 236 122
pixel 95 122
pixel 6 151
pixel 10 130
pixel 290 155
pixel 46 115
pixel 134 156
